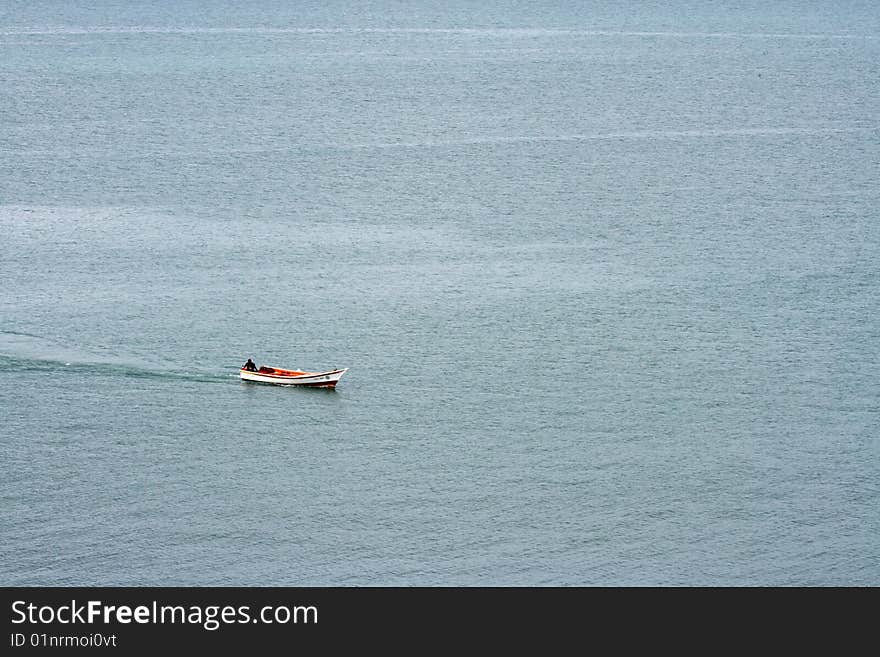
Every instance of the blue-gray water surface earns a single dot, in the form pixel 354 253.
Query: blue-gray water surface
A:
pixel 606 279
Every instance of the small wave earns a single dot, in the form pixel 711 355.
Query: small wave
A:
pixel 20 334
pixel 608 136
pixel 488 32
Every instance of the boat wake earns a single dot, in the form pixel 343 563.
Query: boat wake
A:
pixel 24 352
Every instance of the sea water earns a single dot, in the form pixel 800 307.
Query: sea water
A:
pixel 605 277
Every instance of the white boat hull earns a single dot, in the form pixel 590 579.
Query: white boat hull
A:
pixel 279 377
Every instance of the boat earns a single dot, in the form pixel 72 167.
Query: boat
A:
pixel 282 377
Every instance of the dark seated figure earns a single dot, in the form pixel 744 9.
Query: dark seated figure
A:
pixel 249 366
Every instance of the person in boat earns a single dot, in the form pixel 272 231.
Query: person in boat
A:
pixel 249 366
